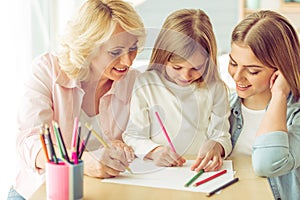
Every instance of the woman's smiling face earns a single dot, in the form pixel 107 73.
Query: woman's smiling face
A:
pixel 252 78
pixel 115 56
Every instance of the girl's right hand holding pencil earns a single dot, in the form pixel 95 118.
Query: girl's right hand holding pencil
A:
pixel 166 157
pixel 105 162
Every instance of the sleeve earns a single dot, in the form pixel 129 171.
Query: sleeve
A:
pixel 137 133
pixel 35 108
pixel 218 129
pixel 277 153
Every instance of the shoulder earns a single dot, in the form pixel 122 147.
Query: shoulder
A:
pixel 149 77
pixel 46 62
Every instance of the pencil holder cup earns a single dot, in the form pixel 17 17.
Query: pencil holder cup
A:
pixel 64 181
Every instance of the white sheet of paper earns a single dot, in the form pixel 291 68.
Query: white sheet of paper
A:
pixel 145 173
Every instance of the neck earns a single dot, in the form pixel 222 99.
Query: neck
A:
pixel 257 102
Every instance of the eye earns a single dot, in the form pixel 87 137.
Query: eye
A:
pixel 254 72
pixel 176 67
pixel 134 48
pixel 115 53
pixel 232 63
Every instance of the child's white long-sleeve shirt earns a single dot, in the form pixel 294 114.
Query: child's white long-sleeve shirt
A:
pixel 191 115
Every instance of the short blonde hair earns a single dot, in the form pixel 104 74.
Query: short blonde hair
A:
pixel 184 32
pixel 274 42
pixel 94 23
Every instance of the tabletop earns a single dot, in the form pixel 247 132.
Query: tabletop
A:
pixel 248 187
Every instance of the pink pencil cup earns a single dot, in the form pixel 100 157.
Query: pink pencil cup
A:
pixel 64 181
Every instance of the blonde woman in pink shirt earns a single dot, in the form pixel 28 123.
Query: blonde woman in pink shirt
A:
pixel 89 78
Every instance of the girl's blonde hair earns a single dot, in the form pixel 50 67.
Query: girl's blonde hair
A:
pixel 184 32
pixel 94 23
pixel 274 42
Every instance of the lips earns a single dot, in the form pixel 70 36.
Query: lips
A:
pixel 120 70
pixel 242 86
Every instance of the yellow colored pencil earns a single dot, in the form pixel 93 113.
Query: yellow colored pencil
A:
pixel 101 140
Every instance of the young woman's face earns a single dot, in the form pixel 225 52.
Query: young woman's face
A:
pixel 252 78
pixel 115 56
pixel 187 72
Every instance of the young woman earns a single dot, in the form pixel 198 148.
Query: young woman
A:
pixel 265 110
pixel 88 78
pixel 183 86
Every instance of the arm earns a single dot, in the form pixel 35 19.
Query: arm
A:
pixel 35 109
pixel 138 131
pixel 278 139
pixel 275 117
pixel 218 144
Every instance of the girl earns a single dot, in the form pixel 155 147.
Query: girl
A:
pixel 183 86
pixel 265 110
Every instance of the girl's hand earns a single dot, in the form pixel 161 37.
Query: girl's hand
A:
pixel 278 84
pixel 104 162
pixel 129 152
pixel 164 156
pixel 209 157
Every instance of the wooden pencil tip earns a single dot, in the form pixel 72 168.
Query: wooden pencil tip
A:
pixel 88 126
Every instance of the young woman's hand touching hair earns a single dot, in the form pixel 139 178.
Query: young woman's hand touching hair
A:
pixel 279 85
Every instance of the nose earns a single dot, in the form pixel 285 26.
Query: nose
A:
pixel 186 74
pixel 125 59
pixel 237 74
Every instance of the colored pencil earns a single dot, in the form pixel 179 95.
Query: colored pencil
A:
pixel 83 144
pixel 101 140
pixel 78 139
pixel 42 139
pixel 52 153
pixel 60 141
pixel 211 177
pixel 74 140
pixel 165 132
pixel 194 178
pixel 222 187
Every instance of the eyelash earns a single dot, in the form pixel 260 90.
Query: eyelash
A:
pixel 234 65
pixel 118 52
pixel 253 73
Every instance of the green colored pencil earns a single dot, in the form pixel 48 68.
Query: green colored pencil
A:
pixel 194 178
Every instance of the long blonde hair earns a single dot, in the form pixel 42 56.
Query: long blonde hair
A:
pixel 274 42
pixel 94 24
pixel 184 32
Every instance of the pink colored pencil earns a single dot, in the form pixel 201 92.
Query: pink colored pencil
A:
pixel 165 132
pixel 74 140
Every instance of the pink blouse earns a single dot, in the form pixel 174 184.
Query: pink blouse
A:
pixel 51 95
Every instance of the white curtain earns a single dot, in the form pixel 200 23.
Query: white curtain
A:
pixel 28 28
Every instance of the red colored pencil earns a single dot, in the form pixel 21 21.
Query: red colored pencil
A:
pixel 210 178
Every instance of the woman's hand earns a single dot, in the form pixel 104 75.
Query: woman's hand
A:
pixel 164 156
pixel 104 162
pixel 278 84
pixel 209 157
pixel 129 152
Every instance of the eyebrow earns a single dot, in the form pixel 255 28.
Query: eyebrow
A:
pixel 123 47
pixel 248 66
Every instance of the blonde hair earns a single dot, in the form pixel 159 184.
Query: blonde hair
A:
pixel 184 32
pixel 94 24
pixel 274 42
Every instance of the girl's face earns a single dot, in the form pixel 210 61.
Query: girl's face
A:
pixel 252 78
pixel 115 56
pixel 187 72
